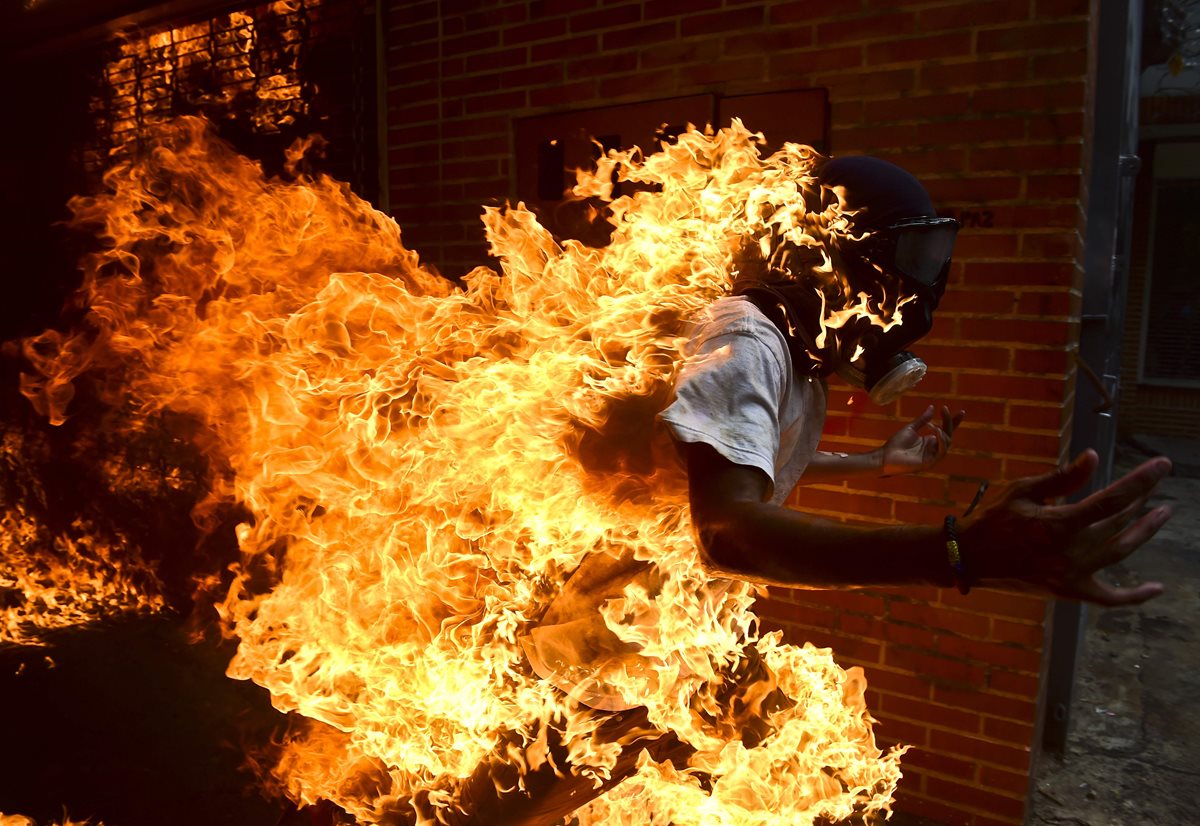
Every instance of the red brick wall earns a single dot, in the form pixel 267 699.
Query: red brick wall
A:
pixel 985 102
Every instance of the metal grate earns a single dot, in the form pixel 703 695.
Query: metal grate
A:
pixel 266 75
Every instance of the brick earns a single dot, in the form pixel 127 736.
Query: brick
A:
pixel 669 55
pixel 971 357
pixel 975 245
pixel 806 11
pixel 932 714
pixel 1044 157
pixel 867 83
pixel 643 83
pixel 1015 783
pixel 872 27
pixel 607 18
pixel 848 649
pixel 769 42
pixel 647 35
pixel 1071 64
pixel 499 59
pixel 1019 273
pixel 919 486
pixel 672 8
pixel 969 300
pixel 920 49
pixel 1047 9
pixel 850 600
pixel 418 113
pixel 981 750
pixel 860 625
pixel 898 682
pixel 1018 331
pixel 546 8
pixel 567 93
pixel 932 761
pixel 568 47
pixel 997 804
pixel 1039 418
pixel 910 635
pixel 974 132
pixel 935 668
pixel 1047 304
pixel 723 71
pixel 897 135
pixel 1008 442
pixel 830 501
pixel 923 162
pixel 544 29
pixel 403 14
pixel 1007 656
pixel 503 102
pixel 902 731
pixel 908 801
pixel 918 107
pixel 1033 216
pixel 531 76
pixel 471 85
pixel 973 74
pixel 1053 362
pixel 694 24
pixel 602 65
pixel 1063 127
pixel 799 614
pixel 474 42
pixel 1048 244
pixel 931 616
pixel 818 60
pixel 972 15
pixel 497 16
pixel 998 603
pixel 1043 35
pixel 1019 734
pixel 1025 388
pixel 403 59
pixel 1019 469
pixel 1043 97
pixel 414 34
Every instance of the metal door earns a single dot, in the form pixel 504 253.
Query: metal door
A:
pixel 1116 58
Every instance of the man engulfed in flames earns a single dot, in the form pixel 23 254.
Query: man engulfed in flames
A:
pixel 505 539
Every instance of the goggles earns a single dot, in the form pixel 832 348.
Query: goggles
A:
pixel 918 248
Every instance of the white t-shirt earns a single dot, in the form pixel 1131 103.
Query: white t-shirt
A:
pixel 736 392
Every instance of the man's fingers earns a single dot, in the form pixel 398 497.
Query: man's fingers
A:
pixel 1063 480
pixel 951 423
pixel 924 419
pixel 1112 596
pixel 1135 485
pixel 1135 535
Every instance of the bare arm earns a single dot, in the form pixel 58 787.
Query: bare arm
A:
pixel 1053 549
pixel 916 447
pixel 744 537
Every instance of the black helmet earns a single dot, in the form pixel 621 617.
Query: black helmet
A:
pixel 897 252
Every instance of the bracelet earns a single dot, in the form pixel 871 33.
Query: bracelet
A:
pixel 954 555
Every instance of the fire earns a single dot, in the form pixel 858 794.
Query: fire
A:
pixel 55 576
pixel 420 464
pixel 21 820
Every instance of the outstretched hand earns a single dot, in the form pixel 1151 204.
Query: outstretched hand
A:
pixel 911 450
pixel 1061 548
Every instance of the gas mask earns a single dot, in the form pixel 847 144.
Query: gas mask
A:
pixel 903 253
pixel 914 256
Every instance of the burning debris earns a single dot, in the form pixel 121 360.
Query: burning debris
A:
pixel 424 466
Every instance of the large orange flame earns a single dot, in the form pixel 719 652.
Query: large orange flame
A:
pixel 415 458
